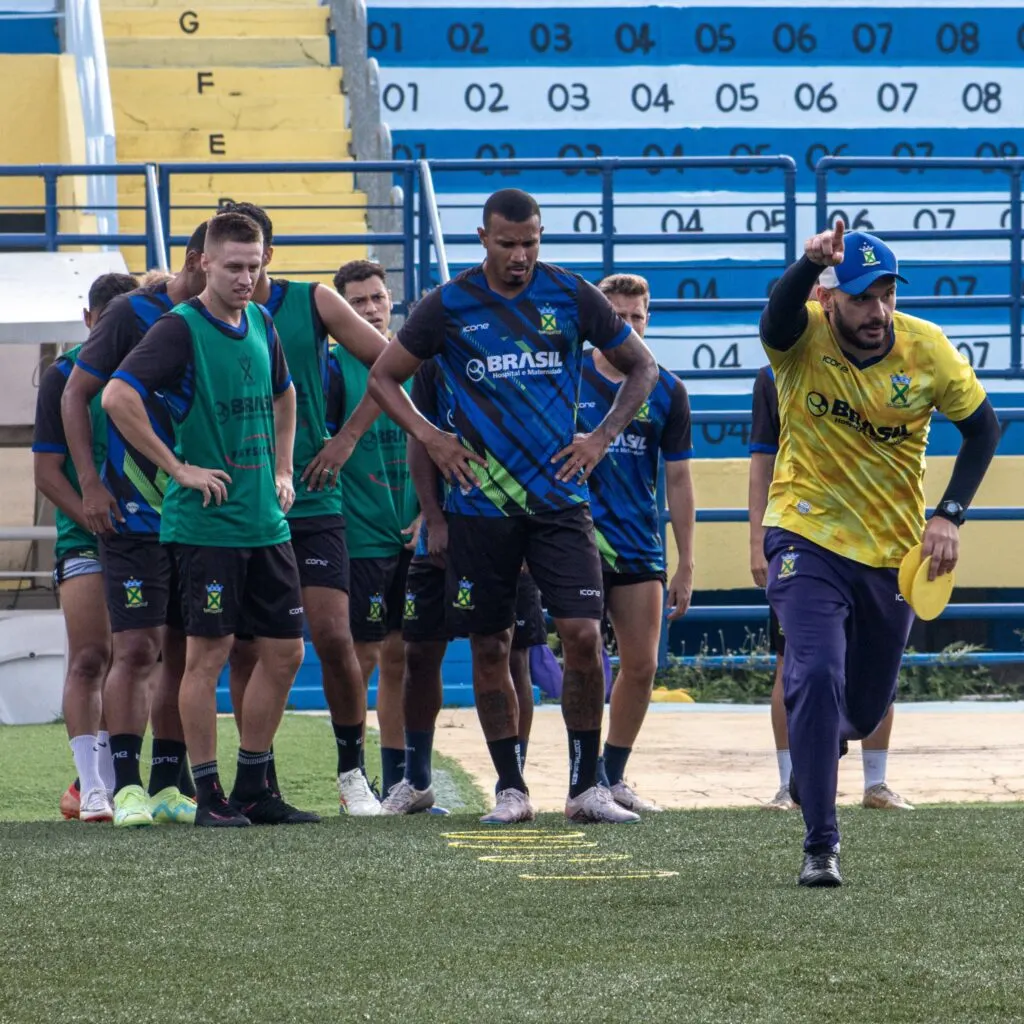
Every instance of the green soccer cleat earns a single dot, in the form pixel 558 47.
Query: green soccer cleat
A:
pixel 131 808
pixel 171 807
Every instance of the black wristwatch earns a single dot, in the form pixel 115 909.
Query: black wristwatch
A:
pixel 951 510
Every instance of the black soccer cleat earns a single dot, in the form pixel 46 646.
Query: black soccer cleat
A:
pixel 269 809
pixel 219 813
pixel 821 870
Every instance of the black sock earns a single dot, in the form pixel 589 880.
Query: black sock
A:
pixel 583 747
pixel 165 765
pixel 392 767
pixel 419 746
pixel 349 739
pixel 523 743
pixel 602 774
pixel 77 784
pixel 615 759
pixel 185 783
pixel 208 788
pixel 126 750
pixel 272 784
pixel 505 756
pixel 251 774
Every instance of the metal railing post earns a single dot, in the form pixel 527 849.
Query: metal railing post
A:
pixel 424 239
pixel 821 196
pixel 607 221
pixel 428 199
pixel 1015 269
pixel 789 183
pixel 50 214
pixel 156 245
pixel 408 230
pixel 165 208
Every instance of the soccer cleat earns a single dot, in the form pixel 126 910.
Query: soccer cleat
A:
pixel 269 809
pixel 625 796
pixel 131 808
pixel 510 806
pixel 95 806
pixel 821 870
pixel 595 805
pixel 218 813
pixel 782 801
pixel 70 802
pixel 171 807
pixel 355 796
pixel 882 798
pixel 404 798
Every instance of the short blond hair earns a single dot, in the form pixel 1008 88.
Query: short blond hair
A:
pixel 627 284
pixel 152 277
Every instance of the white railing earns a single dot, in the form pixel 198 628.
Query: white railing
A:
pixel 84 39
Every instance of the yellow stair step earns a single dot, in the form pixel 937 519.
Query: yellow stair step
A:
pixel 134 84
pixel 177 6
pixel 134 112
pixel 235 23
pixel 243 186
pixel 185 217
pixel 297 51
pixel 317 263
pixel 232 145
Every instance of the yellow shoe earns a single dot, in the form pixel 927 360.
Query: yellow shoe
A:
pixel 171 807
pixel 131 808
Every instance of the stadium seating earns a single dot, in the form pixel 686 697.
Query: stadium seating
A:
pixel 234 82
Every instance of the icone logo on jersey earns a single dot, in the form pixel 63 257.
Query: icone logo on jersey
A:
pixel 515 364
pixel 470 328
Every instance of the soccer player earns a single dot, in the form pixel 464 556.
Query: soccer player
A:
pixel 304 315
pixel 764 446
pixel 857 384
pixel 219 364
pixel 508 337
pixel 623 489
pixel 382 517
pixel 123 509
pixel 76 576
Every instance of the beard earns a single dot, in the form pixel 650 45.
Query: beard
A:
pixel 852 336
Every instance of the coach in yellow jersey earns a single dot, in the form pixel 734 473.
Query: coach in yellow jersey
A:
pixel 857 384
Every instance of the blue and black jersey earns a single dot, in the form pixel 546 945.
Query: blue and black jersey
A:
pixel 764 424
pixel 136 483
pixel 512 369
pixel 623 485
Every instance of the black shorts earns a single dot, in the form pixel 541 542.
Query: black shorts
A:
pixel 252 590
pixel 531 626
pixel 776 639
pixel 80 562
pixel 377 596
pixel 423 615
pixel 629 579
pixel 485 556
pixel 321 553
pixel 141 581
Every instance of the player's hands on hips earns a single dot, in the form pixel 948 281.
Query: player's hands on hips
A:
pixel 758 564
pixel 326 465
pixel 437 539
pixel 212 483
pixel 585 452
pixel 680 590
pixel 826 249
pixel 941 541
pixel 453 459
pixel 412 531
pixel 98 506
pixel 284 481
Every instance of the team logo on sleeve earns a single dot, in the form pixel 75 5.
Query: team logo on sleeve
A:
pixel 376 608
pixel 548 320
pixel 214 598
pixel 133 594
pixel 410 607
pixel 900 397
pixel 788 567
pixel 464 597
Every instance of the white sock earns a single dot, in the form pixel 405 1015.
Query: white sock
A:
pixel 785 766
pixel 83 748
pixel 874 767
pixel 106 761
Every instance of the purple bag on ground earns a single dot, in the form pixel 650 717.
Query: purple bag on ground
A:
pixel 547 673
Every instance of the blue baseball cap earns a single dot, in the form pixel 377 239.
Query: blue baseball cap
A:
pixel 866 259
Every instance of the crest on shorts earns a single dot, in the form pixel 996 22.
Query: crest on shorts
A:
pixel 133 594
pixel 548 320
pixel 900 397
pixel 870 259
pixel 464 596
pixel 214 598
pixel 788 567
pixel 410 607
pixel 376 608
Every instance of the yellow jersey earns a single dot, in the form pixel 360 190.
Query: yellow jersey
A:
pixel 850 469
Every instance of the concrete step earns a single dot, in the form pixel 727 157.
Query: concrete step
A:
pixel 232 145
pixel 224 82
pixel 218 113
pixel 231 22
pixel 312 263
pixel 184 219
pixel 290 51
pixel 239 186
pixel 212 5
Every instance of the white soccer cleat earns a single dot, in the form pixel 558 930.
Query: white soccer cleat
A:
pixel 782 801
pixel 596 805
pixel 355 796
pixel 625 796
pixel 404 798
pixel 95 806
pixel 881 798
pixel 510 806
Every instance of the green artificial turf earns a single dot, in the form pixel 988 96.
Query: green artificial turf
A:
pixel 384 920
